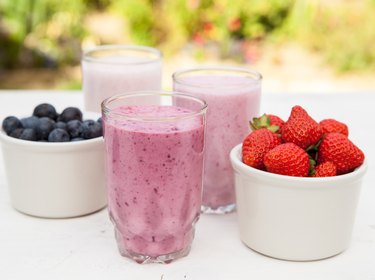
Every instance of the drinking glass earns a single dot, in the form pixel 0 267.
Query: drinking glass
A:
pixel 154 165
pixel 233 95
pixel 113 69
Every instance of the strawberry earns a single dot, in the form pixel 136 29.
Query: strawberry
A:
pixel 256 145
pixel 301 129
pixel 337 148
pixel 275 120
pixel 287 159
pixel 331 125
pixel 325 169
pixel 271 122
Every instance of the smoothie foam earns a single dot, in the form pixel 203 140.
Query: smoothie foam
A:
pixel 154 179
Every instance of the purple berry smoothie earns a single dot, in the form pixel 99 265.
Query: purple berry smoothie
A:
pixel 154 180
pixel 232 102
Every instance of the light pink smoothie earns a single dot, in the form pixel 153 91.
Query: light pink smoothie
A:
pixel 154 179
pixel 232 102
pixel 113 75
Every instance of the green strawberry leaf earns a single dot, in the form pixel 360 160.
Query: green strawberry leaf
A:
pixel 263 122
pixel 312 166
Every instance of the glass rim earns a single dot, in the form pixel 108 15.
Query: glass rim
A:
pixel 86 54
pixel 108 111
pixel 176 76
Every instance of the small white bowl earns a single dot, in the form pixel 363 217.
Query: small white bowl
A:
pixel 55 180
pixel 294 218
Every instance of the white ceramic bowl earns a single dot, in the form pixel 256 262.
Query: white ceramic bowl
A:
pixel 293 218
pixel 55 180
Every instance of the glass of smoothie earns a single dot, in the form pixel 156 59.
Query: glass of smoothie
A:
pixel 108 70
pixel 154 171
pixel 233 95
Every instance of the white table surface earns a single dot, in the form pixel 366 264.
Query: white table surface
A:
pixel 84 248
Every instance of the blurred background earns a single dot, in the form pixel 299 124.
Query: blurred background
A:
pixel 298 46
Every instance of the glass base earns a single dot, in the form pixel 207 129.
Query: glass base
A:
pixel 219 210
pixel 163 259
pixel 181 244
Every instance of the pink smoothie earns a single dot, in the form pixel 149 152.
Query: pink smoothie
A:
pixel 115 75
pixel 232 102
pixel 154 179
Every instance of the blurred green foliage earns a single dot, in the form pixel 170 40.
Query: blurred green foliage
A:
pixel 173 23
pixel 40 33
pixel 49 33
pixel 344 34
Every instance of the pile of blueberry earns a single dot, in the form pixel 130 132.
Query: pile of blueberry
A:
pixel 46 125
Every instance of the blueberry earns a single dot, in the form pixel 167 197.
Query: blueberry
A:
pixel 16 133
pixel 58 135
pixel 11 123
pixel 61 125
pixel 29 134
pixel 74 128
pixel 69 114
pixel 45 126
pixel 77 139
pixel 45 110
pixel 30 122
pixel 91 129
pixel 89 122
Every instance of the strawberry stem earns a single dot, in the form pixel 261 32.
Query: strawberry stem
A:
pixel 312 166
pixel 263 122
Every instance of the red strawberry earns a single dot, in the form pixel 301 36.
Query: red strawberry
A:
pixel 301 129
pixel 256 145
pixel 287 159
pixel 325 169
pixel 271 122
pixel 275 120
pixel 337 148
pixel 331 125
